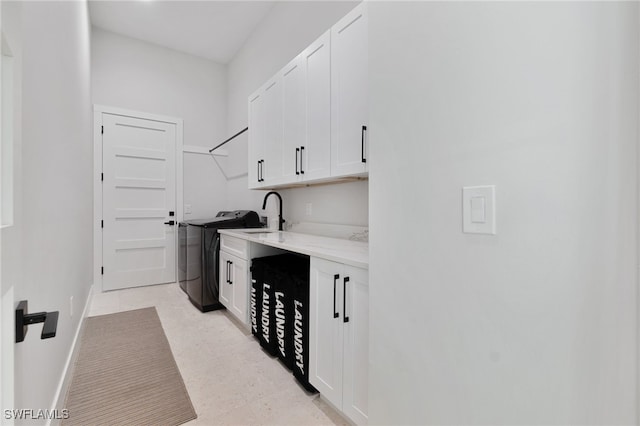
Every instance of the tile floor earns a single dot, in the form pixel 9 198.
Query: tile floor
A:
pixel 230 379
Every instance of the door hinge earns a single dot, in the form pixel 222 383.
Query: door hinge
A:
pixel 102 130
pixel 102 270
pixel 102 224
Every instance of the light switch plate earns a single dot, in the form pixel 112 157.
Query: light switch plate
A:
pixel 479 210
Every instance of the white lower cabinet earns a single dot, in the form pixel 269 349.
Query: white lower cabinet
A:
pixel 234 276
pixel 233 285
pixel 339 336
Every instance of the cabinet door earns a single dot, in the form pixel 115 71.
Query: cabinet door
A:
pixel 349 94
pixel 239 288
pixel 355 398
pixel 256 138
pixel 316 152
pixel 272 145
pixel 326 329
pixel 293 119
pixel 226 292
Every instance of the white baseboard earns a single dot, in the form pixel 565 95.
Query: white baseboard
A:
pixel 61 391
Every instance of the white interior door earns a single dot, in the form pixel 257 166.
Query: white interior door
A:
pixel 139 194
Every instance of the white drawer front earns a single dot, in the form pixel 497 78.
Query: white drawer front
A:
pixel 236 246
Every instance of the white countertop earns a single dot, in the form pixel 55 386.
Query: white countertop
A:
pixel 354 253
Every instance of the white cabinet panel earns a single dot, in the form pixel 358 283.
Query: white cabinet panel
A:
pixel 235 274
pixel 256 138
pixel 272 165
pixel 339 336
pixel 233 283
pixel 308 123
pixel 356 345
pixel 316 152
pixel 349 93
pixel 325 330
pixel 294 118
pixel 235 246
pixel 239 288
pixel 226 292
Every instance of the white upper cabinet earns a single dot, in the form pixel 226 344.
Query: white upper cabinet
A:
pixel 294 118
pixel 256 145
pixel 272 165
pixel 315 154
pixel 349 93
pixel 308 122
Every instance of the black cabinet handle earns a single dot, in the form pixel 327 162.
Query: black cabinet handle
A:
pixel 228 282
pixel 301 151
pixel 297 151
pixel 364 129
pixel 344 300
pixel 230 271
pixel 171 222
pixel 260 170
pixel 335 279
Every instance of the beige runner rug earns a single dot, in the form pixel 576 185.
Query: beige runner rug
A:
pixel 125 374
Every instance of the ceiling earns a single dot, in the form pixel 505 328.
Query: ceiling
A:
pixel 214 30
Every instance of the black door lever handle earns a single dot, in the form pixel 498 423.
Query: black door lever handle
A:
pixel 23 320
pixel 171 222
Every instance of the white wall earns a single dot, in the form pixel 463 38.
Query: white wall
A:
pixel 47 255
pixel 132 74
pixel 536 325
pixel 286 31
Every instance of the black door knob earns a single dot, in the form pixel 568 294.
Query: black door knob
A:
pixel 171 222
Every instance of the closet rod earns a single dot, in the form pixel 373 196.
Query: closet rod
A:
pixel 230 139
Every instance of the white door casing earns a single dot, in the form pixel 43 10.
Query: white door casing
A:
pixel 7 289
pixel 139 163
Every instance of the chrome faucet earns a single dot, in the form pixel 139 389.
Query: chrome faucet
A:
pixel 264 206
